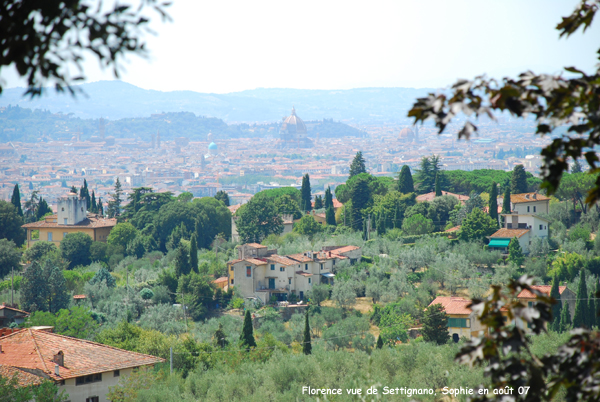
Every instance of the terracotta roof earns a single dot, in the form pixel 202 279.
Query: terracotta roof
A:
pixel 527 197
pixel 509 233
pixel 255 261
pixel 89 222
pixel 32 349
pixel 453 305
pixel 235 261
pixel 255 245
pixel 24 379
pixel 335 202
pixel 299 257
pixel 13 309
pixel 220 280
pixel 344 249
pixel 78 297
pixel 233 208
pixel 453 229
pixel 281 260
pixel 431 196
pixel 302 273
pixel 545 289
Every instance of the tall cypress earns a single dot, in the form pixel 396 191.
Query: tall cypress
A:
pixel 379 342
pixel 16 199
pixel 518 181
pixel 592 310
pixel 247 335
pixel 94 206
pixel 405 181
pixel 306 193
pixel 330 216
pixel 438 189
pixel 581 316
pixel 506 201
pixel 194 253
pixel 597 305
pixel 555 294
pixel 328 198
pixel 493 203
pixel 100 207
pixel 306 346
pixel 565 318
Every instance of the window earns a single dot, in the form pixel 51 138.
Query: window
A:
pixel 65 220
pixel 544 226
pixel 232 281
pixel 62 209
pixel 231 268
pixel 308 280
pixel 534 208
pixel 117 373
pixel 87 379
pixel 249 272
pixel 459 322
pixel 333 263
pixel 272 267
pixel 281 269
pixel 528 208
pixel 289 281
pixel 541 227
pixel 49 236
pixel 321 267
pixel 65 234
pixel 306 267
pixel 92 399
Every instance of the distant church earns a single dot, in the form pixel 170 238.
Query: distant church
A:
pixel 292 133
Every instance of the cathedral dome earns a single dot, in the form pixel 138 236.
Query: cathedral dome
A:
pixel 293 124
pixel 406 134
pixel 213 146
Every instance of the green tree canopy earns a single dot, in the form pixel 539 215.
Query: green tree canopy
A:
pixel 223 197
pixel 493 202
pixel 515 253
pixel 10 257
pixel 75 248
pixel 247 334
pixel 10 223
pixel 358 165
pixel 257 219
pixel 16 199
pixel 308 226
pixel 405 181
pixel 122 234
pixel 435 325
pixel 518 181
pixel 306 345
pixel 306 204
pixel 417 225
pixel 476 226
pixel 581 316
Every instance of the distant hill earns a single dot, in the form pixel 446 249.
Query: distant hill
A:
pixel 117 100
pixel 20 124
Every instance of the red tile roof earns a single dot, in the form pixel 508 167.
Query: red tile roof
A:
pixel 24 379
pixel 32 349
pixel 453 305
pixel 88 223
pixel 302 273
pixel 255 261
pixel 78 297
pixel 281 260
pixel 255 245
pixel 527 197
pixel 299 257
pixel 344 249
pixel 509 233
pixel 220 280
pixel 545 289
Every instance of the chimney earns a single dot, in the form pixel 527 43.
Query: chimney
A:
pixel 57 370
pixel 59 359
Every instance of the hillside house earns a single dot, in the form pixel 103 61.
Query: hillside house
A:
pixel 85 370
pixel 566 296
pixel 462 321
pixel 71 217
pixel 262 273
pixel 9 315
pixel 523 222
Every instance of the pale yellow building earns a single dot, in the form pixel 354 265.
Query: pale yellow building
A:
pixel 71 217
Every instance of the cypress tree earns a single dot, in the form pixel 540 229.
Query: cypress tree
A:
pixel 591 310
pixel 565 318
pixel 576 168
pixel 247 335
pixel 358 165
pixel 219 338
pixel 34 289
pixel 194 253
pixel 381 224
pixel 554 293
pixel 405 181
pixel 438 189
pixel 100 207
pixel 581 316
pixel 493 203
pixel 506 201
pixel 379 342
pixel 518 181
pixel 318 202
pixel 94 206
pixel 330 216
pixel 597 305
pixel 74 189
pixel 306 193
pixel 328 198
pixel 182 261
pixel 306 346
pixel 58 296
pixel 16 199
pixel 515 253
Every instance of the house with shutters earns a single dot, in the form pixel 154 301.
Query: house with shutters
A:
pixel 462 321
pixel 83 369
pixel 262 273
pixel 523 222
pixel 567 296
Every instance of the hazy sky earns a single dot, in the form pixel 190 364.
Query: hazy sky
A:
pixel 233 45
